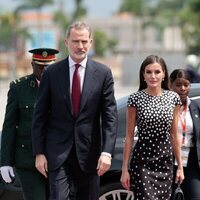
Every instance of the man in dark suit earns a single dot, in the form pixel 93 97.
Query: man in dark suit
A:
pixel 16 143
pixel 74 126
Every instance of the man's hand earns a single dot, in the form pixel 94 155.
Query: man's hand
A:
pixel 41 164
pixel 7 173
pixel 104 164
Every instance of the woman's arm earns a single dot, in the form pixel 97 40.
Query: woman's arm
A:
pixel 176 145
pixel 130 127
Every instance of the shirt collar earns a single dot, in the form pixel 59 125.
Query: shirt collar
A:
pixel 187 103
pixel 72 63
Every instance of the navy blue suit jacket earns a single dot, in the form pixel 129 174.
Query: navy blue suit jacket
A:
pixel 195 114
pixel 54 128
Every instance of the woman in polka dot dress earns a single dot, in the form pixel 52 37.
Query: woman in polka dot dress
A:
pixel 154 110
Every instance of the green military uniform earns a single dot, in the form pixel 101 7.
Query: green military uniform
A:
pixel 16 137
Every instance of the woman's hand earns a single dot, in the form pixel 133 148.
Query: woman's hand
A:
pixel 125 179
pixel 179 175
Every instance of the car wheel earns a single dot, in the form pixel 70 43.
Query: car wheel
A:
pixel 115 191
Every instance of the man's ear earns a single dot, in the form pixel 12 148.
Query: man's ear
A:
pixel 66 42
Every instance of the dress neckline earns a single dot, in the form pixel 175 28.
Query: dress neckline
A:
pixel 145 91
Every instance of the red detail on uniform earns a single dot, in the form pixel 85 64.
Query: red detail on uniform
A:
pixel 40 57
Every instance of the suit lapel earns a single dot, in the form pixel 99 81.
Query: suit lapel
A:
pixel 88 86
pixel 89 83
pixel 195 117
pixel 64 82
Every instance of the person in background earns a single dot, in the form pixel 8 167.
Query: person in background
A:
pixel 75 120
pixel 193 67
pixel 154 109
pixel 16 143
pixel 189 132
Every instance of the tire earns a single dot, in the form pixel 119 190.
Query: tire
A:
pixel 114 191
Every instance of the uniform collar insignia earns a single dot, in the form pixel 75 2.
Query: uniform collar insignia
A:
pixel 32 84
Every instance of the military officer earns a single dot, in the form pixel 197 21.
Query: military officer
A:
pixel 16 144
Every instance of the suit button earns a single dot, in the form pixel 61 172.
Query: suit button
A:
pixel 22 145
pixel 26 106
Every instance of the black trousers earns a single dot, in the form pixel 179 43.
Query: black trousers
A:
pixel 191 183
pixel 69 182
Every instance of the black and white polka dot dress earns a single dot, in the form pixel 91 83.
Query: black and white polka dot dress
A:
pixel 152 163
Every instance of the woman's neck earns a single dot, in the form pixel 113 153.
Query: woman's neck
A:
pixel 184 102
pixel 154 91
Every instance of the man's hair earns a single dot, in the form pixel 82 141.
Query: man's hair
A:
pixel 78 26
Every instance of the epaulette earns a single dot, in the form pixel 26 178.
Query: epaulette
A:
pixel 16 81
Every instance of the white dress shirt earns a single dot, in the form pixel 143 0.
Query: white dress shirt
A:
pixel 189 126
pixel 81 71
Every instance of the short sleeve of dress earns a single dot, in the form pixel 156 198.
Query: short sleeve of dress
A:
pixel 131 100
pixel 177 100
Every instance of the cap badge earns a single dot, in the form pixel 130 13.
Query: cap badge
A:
pixel 44 54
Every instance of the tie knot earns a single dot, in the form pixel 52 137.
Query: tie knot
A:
pixel 77 66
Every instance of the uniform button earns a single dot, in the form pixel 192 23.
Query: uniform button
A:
pixel 26 106
pixel 22 145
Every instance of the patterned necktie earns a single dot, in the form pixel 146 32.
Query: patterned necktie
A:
pixel 76 91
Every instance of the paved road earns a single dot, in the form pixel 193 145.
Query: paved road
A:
pixel 120 91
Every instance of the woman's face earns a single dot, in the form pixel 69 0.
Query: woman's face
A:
pixel 182 87
pixel 153 75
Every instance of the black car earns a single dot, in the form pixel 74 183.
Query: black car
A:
pixel 111 188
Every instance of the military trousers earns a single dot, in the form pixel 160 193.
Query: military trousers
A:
pixel 34 184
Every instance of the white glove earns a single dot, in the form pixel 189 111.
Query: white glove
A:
pixel 7 173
